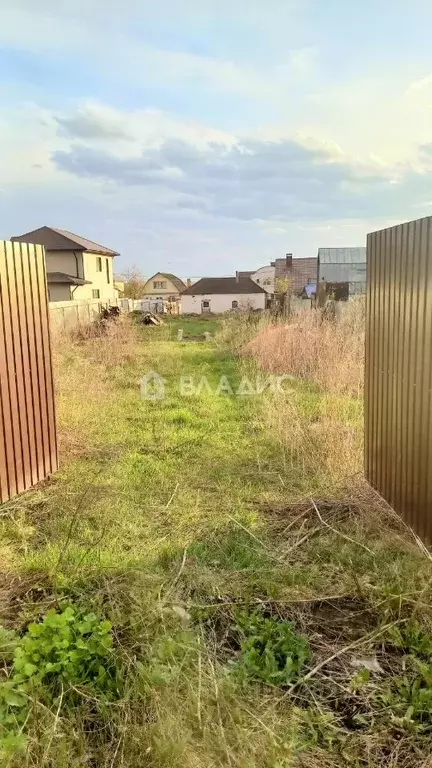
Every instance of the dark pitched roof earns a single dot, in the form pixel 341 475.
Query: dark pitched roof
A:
pixel 179 284
pixel 223 285
pixel 62 277
pixel 61 240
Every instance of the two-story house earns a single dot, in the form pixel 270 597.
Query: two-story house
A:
pixel 76 268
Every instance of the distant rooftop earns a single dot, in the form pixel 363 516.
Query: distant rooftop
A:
pixel 342 255
pixel 223 285
pixel 176 281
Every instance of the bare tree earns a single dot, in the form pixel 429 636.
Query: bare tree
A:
pixel 134 283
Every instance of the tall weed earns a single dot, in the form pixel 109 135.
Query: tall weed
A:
pixel 329 353
pixel 319 419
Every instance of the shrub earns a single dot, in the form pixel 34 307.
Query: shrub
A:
pixel 64 650
pixel 271 650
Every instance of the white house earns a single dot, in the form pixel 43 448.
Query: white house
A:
pixel 265 277
pixel 222 294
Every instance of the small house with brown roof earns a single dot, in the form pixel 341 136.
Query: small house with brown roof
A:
pixel 163 286
pixel 222 294
pixel 76 268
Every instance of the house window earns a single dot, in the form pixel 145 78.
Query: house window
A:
pixel 234 305
pixel 159 284
pixel 206 303
pixel 96 293
pixel 108 271
pixel 98 263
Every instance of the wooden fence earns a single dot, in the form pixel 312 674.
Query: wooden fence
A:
pixel 398 383
pixel 28 439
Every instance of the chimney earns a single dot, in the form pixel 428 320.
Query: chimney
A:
pixel 237 277
pixel 188 282
pixel 288 259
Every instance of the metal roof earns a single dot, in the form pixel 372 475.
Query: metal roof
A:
pixel 342 255
pixel 61 240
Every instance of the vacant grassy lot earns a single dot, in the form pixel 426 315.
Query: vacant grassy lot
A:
pixel 258 617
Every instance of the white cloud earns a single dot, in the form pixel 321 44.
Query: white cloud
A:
pixel 420 85
pixel 126 131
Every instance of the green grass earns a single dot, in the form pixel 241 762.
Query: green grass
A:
pixel 192 326
pixel 169 516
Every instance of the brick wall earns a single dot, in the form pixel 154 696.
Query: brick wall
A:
pixel 298 271
pixel 303 271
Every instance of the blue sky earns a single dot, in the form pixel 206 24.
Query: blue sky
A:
pixel 204 137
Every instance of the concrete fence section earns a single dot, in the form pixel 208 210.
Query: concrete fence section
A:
pixel 398 376
pixel 28 438
pixel 65 315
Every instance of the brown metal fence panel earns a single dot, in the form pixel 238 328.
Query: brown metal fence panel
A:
pixel 28 436
pixel 398 377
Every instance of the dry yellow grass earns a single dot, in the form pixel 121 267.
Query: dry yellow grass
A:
pixel 88 362
pixel 328 353
pixel 319 418
pixel 327 444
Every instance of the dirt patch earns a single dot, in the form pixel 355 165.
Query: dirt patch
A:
pixel 326 623
pixel 22 597
pixel 358 500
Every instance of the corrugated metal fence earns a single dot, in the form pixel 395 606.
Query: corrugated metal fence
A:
pixel 398 402
pixel 28 440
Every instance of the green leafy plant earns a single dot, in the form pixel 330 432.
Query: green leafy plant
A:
pixel 271 649
pixel 8 642
pixel 65 650
pixel 413 639
pixel 318 729
pixel 409 697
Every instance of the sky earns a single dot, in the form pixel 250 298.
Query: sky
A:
pixel 203 136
